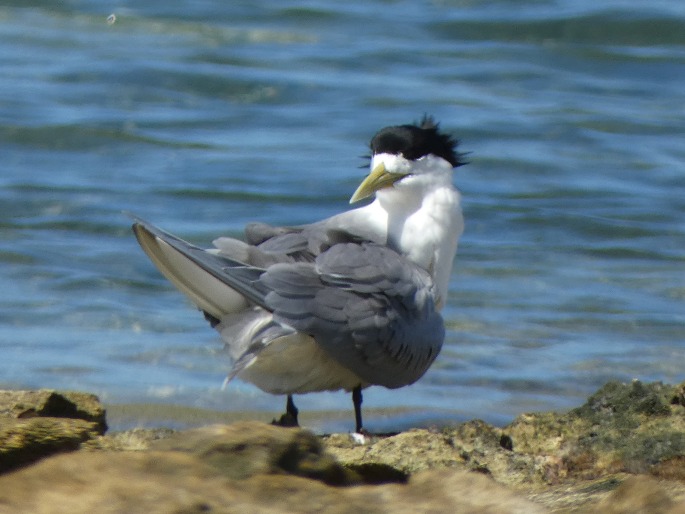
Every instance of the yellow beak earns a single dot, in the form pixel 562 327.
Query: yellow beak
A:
pixel 377 179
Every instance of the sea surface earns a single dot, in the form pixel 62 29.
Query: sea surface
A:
pixel 203 116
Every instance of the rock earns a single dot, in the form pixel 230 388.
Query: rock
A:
pixel 406 453
pixel 34 424
pixel 178 481
pixel 570 459
pixel 28 440
pixel 136 439
pixel 245 449
pixel 622 451
pixel 634 428
pixel 474 446
pixel 53 404
pixel 638 495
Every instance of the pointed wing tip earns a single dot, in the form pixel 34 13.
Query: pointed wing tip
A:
pixel 134 217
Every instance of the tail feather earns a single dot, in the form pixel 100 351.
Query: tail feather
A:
pixel 214 284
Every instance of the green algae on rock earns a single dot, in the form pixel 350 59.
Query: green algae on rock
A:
pixel 633 428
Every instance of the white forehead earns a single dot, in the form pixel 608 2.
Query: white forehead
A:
pixel 398 164
pixel 393 163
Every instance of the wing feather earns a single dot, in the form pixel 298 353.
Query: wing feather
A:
pixel 368 307
pixel 377 319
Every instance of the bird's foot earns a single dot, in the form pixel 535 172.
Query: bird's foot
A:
pixel 289 419
pixel 286 420
pixel 360 438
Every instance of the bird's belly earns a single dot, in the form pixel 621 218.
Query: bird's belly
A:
pixel 295 364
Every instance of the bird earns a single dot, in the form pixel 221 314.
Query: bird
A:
pixel 344 303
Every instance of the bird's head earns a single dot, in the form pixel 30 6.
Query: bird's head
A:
pixel 409 156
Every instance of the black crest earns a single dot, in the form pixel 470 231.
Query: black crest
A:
pixel 415 141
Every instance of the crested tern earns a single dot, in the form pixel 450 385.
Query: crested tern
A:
pixel 343 303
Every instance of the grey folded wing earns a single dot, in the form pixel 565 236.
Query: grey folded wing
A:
pixel 270 244
pixel 367 306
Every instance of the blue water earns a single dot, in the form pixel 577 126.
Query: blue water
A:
pixel 202 116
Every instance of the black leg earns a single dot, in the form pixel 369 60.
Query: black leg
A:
pixel 357 400
pixel 289 419
pixel 291 409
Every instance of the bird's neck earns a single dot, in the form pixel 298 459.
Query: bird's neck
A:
pixel 423 228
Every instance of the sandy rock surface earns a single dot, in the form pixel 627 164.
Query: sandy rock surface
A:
pixel 623 451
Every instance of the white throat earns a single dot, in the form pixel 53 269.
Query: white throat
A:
pixel 428 235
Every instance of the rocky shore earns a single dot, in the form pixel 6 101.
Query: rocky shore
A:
pixel 623 451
